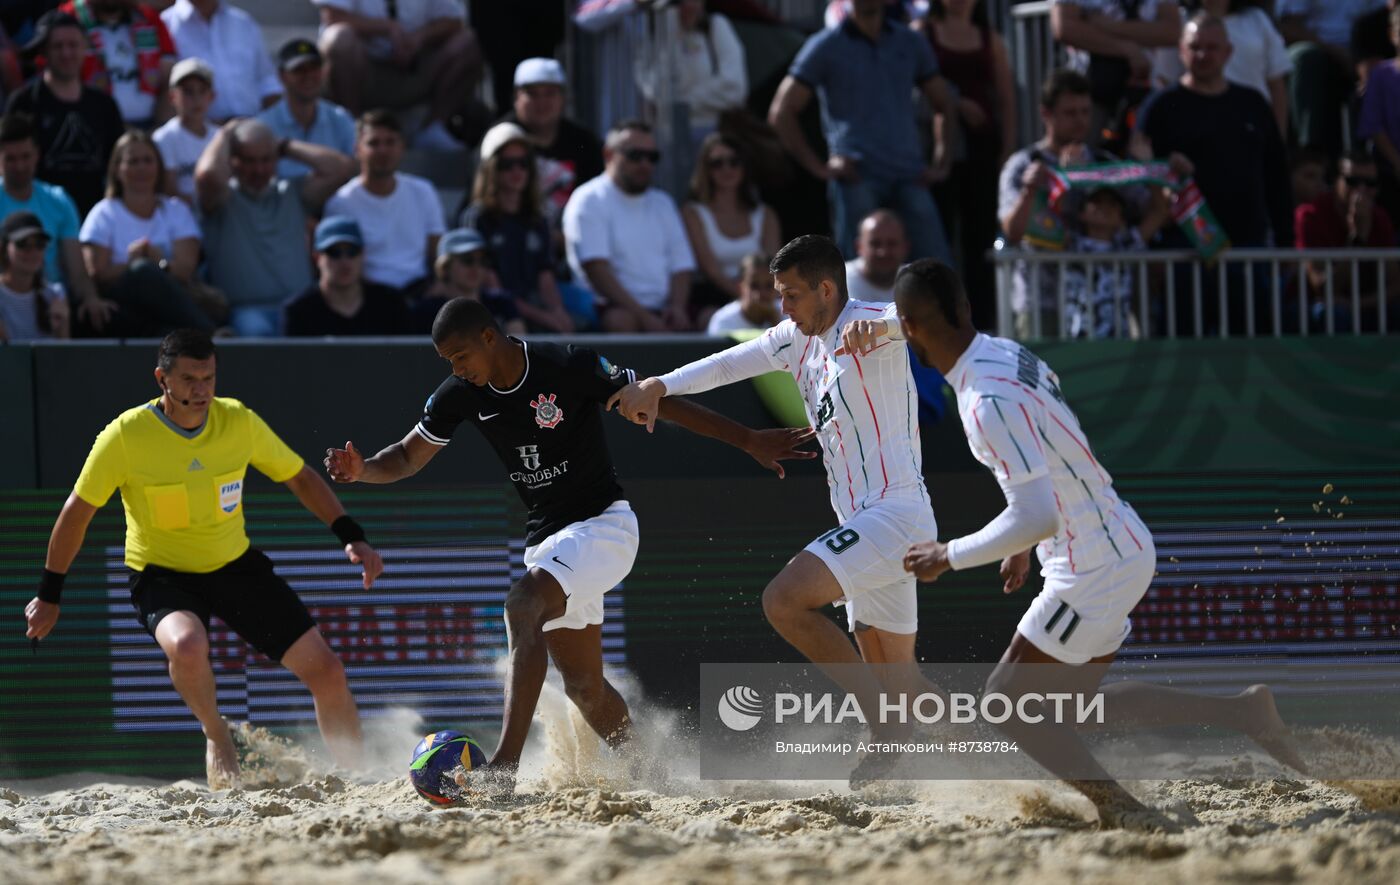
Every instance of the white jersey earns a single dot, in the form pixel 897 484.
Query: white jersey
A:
pixel 864 408
pixel 1019 426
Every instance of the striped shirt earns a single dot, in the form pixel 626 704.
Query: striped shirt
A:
pixel 864 408
pixel 1019 426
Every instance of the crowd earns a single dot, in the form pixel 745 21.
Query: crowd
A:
pixel 161 169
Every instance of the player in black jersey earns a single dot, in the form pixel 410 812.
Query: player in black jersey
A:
pixel 539 404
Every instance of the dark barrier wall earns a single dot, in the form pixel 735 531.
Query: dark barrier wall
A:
pixel 1265 469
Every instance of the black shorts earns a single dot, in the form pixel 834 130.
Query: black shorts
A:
pixel 246 594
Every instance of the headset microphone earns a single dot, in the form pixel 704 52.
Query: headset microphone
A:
pixel 166 388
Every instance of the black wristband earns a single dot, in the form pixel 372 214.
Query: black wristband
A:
pixel 51 586
pixel 347 530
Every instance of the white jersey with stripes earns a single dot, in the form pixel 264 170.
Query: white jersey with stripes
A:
pixel 864 408
pixel 1019 426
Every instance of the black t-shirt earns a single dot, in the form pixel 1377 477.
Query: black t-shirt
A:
pixel 547 430
pixel 1233 141
pixel 75 138
pixel 382 313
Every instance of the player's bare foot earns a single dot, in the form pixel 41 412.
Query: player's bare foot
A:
pixel 221 760
pixel 875 767
pixel 1267 729
pixel 489 781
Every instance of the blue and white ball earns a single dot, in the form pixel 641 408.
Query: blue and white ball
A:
pixel 435 758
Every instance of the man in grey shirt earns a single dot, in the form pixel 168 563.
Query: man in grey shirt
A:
pixel 255 224
pixel 1066 109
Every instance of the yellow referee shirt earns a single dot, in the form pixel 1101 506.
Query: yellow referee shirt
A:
pixel 183 489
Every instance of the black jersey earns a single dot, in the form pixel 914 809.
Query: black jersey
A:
pixel 547 430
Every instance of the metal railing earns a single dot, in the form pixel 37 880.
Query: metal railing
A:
pixel 1173 294
pixel 1034 54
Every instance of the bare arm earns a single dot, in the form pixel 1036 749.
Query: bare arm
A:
pixel 551 314
pixel 946 120
pixel 767 447
pixel 313 493
pixel 402 459
pixel 1015 222
pixel 75 272
pixel 603 281
pixel 329 170
pixel 214 170
pixel 164 110
pixel 791 99
pixel 100 265
pixel 1068 25
pixel 184 259
pixel 68 533
pixel 1165 30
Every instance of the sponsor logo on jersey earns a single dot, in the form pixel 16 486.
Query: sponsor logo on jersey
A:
pixel 529 456
pixel 825 410
pixel 547 414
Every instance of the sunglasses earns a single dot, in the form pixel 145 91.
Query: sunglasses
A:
pixel 1362 181
pixel 726 162
pixel 339 252
pixel 32 244
pixel 471 260
pixel 638 155
pixel 506 164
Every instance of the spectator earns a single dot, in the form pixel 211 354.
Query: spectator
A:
pixel 1100 297
pixel 710 74
pixel 21 192
pixel 505 210
pixel 30 308
pixel 881 250
pixel 231 43
pixel 1318 34
pixel 1308 168
pixel 1113 42
pixel 1066 111
pixel 1347 216
pixel 142 246
pixel 725 222
pixel 1370 40
pixel 757 306
pixel 462 266
pixel 255 222
pixel 627 240
pixel 400 214
pixel 973 58
pixel 77 125
pixel 341 302
pixel 861 72
pixel 1380 121
pixel 302 114
pixel 386 54
pixel 130 56
pixel 568 153
pixel 512 32
pixel 1258 60
pixel 1241 167
pixel 184 136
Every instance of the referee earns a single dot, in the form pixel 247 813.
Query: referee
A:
pixel 179 462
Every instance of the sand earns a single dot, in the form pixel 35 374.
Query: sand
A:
pixel 577 818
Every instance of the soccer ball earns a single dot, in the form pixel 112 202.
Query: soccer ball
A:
pixel 434 760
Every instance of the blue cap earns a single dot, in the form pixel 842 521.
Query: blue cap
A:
pixel 338 229
pixel 462 241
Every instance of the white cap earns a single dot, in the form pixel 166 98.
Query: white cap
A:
pixel 499 136
pixel 191 67
pixel 539 70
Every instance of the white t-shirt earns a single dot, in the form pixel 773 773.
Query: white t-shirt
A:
pixel 860 288
pixel 19 314
pixel 411 15
pixel 112 225
pixel 396 228
pixel 232 43
pixel 730 252
pixel 641 235
pixel 1258 56
pixel 180 149
pixel 730 318
pixel 1019 427
pixel 711 74
pixel 864 408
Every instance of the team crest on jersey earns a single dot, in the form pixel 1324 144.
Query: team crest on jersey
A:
pixel 547 414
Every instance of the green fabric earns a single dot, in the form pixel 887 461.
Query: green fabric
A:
pixel 778 390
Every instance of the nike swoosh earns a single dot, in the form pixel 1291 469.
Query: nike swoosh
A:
pixel 481 417
pixel 562 562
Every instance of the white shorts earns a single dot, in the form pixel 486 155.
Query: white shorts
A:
pixel 866 554
pixel 588 559
pixel 1083 616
